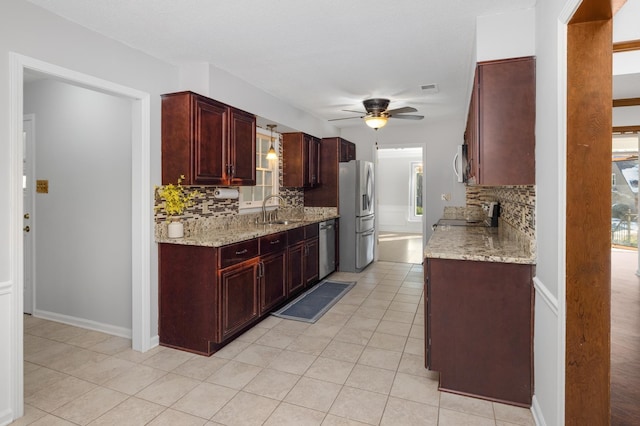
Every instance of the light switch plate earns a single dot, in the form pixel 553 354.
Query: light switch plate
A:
pixel 42 186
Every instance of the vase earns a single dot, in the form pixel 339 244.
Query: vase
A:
pixel 175 229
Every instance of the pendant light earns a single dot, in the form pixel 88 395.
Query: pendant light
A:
pixel 271 154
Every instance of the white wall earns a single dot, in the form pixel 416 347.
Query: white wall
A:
pixel 439 141
pixel 33 32
pixel 507 35
pixel 393 182
pixel 550 213
pixel 82 227
pixel 30 31
pixel 218 84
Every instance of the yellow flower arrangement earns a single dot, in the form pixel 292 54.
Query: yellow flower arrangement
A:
pixel 175 198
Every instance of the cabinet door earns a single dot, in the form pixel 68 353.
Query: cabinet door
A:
pixel 242 148
pixel 273 280
pixel 313 161
pixel 210 135
pixel 347 151
pixel 507 122
pixel 311 262
pixel 295 275
pixel 239 298
pixel 471 135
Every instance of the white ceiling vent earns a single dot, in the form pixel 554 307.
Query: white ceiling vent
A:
pixel 430 88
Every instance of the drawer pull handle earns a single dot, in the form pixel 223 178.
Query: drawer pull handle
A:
pixel 242 251
pixel 275 242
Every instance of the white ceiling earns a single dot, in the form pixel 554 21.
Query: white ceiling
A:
pixel 320 56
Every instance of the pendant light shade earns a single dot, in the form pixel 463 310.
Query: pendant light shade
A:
pixel 271 154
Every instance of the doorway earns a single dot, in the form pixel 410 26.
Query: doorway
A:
pixel 140 207
pixel 400 203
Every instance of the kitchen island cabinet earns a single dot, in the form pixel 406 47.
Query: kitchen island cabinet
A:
pixel 479 328
pixel 500 132
pixel 208 142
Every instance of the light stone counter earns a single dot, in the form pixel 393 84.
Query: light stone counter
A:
pixel 218 237
pixel 479 244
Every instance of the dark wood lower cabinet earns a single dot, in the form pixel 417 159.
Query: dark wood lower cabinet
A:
pixel 273 281
pixel 188 297
pixel 295 278
pixel 239 287
pixel 311 264
pixel 208 296
pixel 479 328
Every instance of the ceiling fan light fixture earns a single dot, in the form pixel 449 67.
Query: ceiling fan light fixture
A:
pixel 376 121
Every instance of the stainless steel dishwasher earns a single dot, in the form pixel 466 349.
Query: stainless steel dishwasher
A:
pixel 327 247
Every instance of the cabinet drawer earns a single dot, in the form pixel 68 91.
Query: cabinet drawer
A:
pixel 273 243
pixel 311 231
pixel 236 253
pixel 295 235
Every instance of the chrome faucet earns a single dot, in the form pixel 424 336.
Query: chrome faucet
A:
pixel 264 205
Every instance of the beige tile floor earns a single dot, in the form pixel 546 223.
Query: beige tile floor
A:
pixel 400 247
pixel 361 363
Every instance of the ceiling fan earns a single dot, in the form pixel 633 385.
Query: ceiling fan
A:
pixel 377 113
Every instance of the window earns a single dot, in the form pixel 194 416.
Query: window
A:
pixel 415 214
pixel 266 174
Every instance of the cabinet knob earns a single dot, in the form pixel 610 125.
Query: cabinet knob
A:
pixel 26 228
pixel 26 215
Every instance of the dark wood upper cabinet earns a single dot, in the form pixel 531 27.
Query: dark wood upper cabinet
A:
pixel 208 142
pixel 500 132
pixel 347 150
pixel 333 151
pixel 301 160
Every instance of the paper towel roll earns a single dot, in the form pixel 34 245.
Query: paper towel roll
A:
pixel 225 193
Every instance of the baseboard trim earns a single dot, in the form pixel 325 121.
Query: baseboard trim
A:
pixel 6 417
pixel 84 323
pixel 549 299
pixel 536 411
pixel 154 341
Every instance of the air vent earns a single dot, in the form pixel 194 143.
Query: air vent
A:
pixel 430 88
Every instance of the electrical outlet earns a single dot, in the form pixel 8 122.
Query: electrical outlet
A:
pixel 445 197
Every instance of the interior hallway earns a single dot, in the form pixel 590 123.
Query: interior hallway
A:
pixel 400 247
pixel 361 363
pixel 625 338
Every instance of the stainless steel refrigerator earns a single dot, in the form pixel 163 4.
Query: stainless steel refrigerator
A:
pixel 357 218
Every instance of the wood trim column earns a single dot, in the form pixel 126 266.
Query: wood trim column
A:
pixel 588 257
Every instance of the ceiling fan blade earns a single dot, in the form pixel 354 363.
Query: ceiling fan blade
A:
pixel 401 110
pixel 345 118
pixel 408 117
pixel 357 112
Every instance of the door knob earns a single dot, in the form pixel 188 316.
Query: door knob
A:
pixel 26 215
pixel 26 228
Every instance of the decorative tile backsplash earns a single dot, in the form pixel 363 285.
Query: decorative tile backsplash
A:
pixel 517 205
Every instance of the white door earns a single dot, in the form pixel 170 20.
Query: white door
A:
pixel 28 190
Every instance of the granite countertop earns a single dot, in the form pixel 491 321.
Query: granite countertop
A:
pixel 224 236
pixel 477 243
